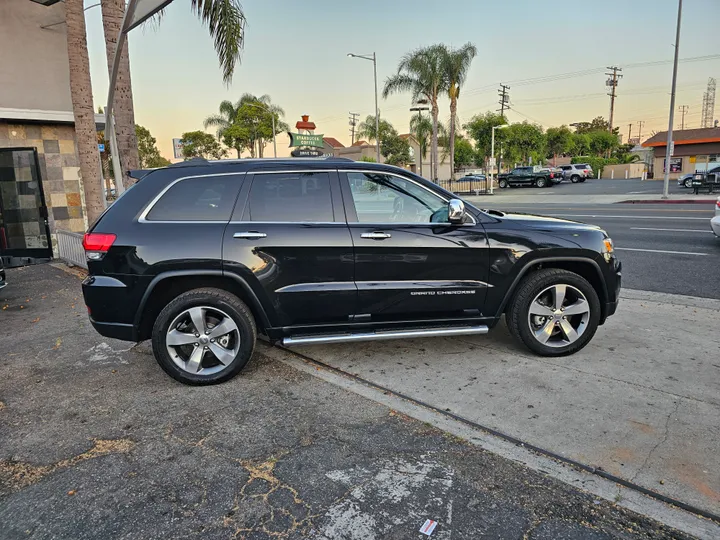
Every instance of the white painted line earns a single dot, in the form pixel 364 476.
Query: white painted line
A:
pixel 670 230
pixel 661 251
pixel 627 217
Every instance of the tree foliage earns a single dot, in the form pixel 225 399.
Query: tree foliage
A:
pixel 479 128
pixel 464 152
pixel 395 149
pixel 150 157
pixel 366 128
pixel 559 140
pixel 596 124
pixel 522 142
pixel 202 145
pixel 602 142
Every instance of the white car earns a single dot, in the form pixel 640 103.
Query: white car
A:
pixel 715 222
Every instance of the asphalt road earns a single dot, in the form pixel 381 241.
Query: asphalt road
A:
pixel 632 186
pixel 663 247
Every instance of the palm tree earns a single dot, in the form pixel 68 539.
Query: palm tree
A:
pixel 421 127
pixel 457 63
pixel 366 128
pixel 225 21
pixel 83 111
pixel 223 120
pixel 112 16
pixel 422 73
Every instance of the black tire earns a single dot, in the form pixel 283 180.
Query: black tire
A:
pixel 688 183
pixel 502 183
pixel 541 183
pixel 574 178
pixel 582 180
pixel 517 312
pixel 215 299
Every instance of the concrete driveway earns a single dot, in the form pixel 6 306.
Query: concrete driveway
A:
pixel 642 401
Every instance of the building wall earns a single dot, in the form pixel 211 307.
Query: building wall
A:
pixel 633 170
pixel 704 159
pixel 59 170
pixel 34 71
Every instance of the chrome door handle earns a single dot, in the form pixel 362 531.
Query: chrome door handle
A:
pixel 376 235
pixel 249 235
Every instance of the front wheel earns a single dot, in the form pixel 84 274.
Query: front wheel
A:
pixel 503 183
pixel 554 312
pixel 688 183
pixel 204 336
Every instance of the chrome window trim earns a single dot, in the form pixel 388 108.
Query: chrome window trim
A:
pixel 370 171
pixel 149 207
pixel 340 223
pixel 291 171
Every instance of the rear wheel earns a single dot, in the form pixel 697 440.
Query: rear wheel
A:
pixel 541 182
pixel 582 180
pixel 204 336
pixel 574 178
pixel 554 312
pixel 503 183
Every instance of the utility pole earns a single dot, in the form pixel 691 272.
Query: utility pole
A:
pixel 708 104
pixel 353 122
pixel 669 147
pixel 640 125
pixel 629 132
pixel 683 109
pixel 612 83
pixel 504 99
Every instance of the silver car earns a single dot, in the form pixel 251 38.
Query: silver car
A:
pixel 715 222
pixel 577 172
pixel 686 180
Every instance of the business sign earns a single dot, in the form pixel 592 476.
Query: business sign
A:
pixel 307 152
pixel 675 165
pixel 305 139
pixel 178 149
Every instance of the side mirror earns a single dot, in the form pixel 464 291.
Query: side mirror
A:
pixel 456 211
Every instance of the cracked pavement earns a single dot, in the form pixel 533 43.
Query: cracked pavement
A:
pixel 97 442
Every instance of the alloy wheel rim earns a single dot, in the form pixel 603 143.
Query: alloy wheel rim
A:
pixel 202 340
pixel 559 315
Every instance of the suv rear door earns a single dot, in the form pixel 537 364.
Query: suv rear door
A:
pixel 407 266
pixel 289 240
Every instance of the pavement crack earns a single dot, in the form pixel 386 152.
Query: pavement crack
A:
pixel 660 442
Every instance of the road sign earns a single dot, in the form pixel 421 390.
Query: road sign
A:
pixel 101 147
pixel 178 149
pixel 672 147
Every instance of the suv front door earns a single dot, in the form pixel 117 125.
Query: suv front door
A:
pixel 410 263
pixel 288 237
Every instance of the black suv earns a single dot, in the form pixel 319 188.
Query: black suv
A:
pixel 202 256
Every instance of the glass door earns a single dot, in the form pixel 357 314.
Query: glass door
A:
pixel 24 228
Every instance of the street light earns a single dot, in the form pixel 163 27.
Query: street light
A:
pixel 373 59
pixel 492 154
pixel 419 110
pixel 272 114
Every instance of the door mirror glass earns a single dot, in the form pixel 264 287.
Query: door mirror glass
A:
pixel 456 211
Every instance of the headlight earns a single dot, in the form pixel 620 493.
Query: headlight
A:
pixel 608 249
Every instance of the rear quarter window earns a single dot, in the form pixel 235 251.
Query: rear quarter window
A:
pixel 208 198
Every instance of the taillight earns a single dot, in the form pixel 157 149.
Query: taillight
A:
pixel 97 244
pixel 718 203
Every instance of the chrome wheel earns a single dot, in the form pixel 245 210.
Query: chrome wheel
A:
pixel 688 183
pixel 559 315
pixel 202 340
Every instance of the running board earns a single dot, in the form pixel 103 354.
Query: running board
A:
pixel 376 336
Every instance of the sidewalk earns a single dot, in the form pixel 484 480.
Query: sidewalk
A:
pixel 97 442
pixel 547 196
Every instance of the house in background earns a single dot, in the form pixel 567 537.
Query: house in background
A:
pixel 40 185
pixel 695 150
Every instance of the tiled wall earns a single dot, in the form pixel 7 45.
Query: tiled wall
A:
pixel 59 170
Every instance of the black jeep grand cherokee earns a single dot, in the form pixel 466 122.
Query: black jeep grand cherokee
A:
pixel 202 255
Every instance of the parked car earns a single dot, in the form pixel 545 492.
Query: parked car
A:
pixel 202 256
pixel 577 172
pixel 557 174
pixel 686 180
pixel 477 177
pixel 2 274
pixel 526 176
pixel 715 222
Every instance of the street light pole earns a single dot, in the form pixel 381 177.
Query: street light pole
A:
pixel 492 155
pixel 669 149
pixel 373 59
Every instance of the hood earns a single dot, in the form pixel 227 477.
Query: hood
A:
pixel 542 223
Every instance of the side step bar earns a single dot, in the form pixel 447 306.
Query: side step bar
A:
pixel 375 336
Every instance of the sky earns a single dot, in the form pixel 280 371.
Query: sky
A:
pixel 297 53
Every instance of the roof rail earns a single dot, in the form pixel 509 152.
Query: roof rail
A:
pixel 190 162
pixel 335 158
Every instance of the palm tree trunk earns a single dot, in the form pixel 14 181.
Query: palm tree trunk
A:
pixel 434 150
pixel 113 12
pixel 83 109
pixel 453 114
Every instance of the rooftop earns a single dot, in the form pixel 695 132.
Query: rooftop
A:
pixel 685 136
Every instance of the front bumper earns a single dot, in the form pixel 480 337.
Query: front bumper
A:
pixel 715 225
pixel 2 279
pixel 614 294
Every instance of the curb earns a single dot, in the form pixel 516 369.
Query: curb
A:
pixel 668 201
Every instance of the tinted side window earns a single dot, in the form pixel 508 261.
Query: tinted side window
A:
pixel 290 196
pixel 209 198
pixel 566 167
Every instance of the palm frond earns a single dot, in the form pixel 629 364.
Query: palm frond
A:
pixel 228 110
pixel 226 21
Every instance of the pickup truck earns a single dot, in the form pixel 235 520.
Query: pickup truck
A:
pixel 526 176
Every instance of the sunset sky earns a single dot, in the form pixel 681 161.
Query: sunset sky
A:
pixel 296 53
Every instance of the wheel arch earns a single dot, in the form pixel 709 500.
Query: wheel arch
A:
pixel 583 266
pixel 168 285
